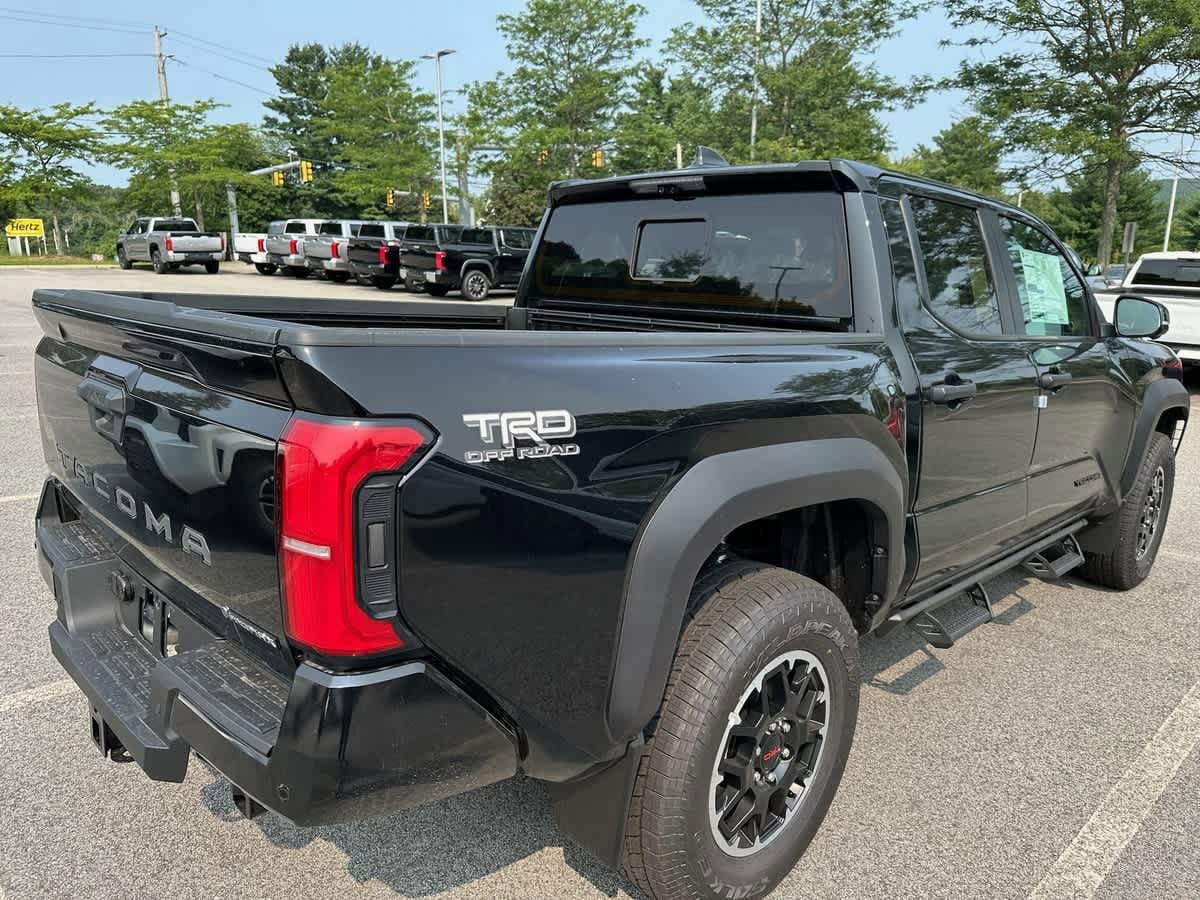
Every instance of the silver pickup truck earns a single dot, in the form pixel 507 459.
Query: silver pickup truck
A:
pixel 325 252
pixel 168 243
pixel 285 248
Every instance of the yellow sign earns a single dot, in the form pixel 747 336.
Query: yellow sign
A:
pixel 24 228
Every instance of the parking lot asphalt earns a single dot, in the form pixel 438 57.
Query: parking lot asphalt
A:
pixel 1052 753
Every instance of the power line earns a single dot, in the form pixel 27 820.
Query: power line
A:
pixel 246 53
pixel 222 77
pixel 188 42
pixel 22 16
pixel 69 55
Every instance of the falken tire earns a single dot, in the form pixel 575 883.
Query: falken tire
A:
pixel 1128 561
pixel 747 616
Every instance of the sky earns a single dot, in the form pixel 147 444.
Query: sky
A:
pixel 222 50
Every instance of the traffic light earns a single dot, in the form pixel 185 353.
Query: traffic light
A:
pixel 305 171
pixel 598 158
pixel 391 198
pixel 543 155
pixel 277 179
pixel 426 200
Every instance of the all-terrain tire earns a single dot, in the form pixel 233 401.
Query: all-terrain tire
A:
pixel 746 618
pixel 476 284
pixel 1128 560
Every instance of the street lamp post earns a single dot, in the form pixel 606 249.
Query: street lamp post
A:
pixel 436 56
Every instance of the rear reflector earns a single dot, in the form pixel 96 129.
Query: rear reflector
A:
pixel 321 465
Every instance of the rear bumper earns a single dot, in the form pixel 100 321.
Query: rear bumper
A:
pixel 373 270
pixel 317 747
pixel 287 259
pixel 327 265
pixel 185 257
pixel 1189 353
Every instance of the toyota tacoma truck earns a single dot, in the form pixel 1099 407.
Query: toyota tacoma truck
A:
pixel 444 258
pixel 1172 279
pixel 168 244
pixel 736 420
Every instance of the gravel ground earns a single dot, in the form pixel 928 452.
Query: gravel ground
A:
pixel 1049 754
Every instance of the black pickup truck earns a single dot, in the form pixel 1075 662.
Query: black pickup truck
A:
pixel 624 537
pixel 373 254
pixel 444 258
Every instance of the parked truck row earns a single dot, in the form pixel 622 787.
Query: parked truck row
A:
pixel 435 258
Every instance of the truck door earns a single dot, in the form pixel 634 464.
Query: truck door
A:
pixel 1087 404
pixel 136 244
pixel 978 399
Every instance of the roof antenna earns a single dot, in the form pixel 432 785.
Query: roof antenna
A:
pixel 707 158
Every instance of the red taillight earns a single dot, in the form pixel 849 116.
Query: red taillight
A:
pixel 262 245
pixel 292 246
pixel 321 463
pixel 383 251
pixel 169 245
pixel 222 242
pixel 439 260
pixel 333 250
pixel 1173 368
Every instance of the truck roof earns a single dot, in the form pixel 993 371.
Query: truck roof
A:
pixel 1171 254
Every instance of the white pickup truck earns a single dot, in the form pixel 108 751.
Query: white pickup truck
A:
pixel 1172 279
pixel 251 247
pixel 285 246
pixel 168 243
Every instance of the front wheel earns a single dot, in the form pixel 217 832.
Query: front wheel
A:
pixel 122 259
pixel 1141 521
pixel 265 268
pixel 212 267
pixel 752 738
pixel 476 285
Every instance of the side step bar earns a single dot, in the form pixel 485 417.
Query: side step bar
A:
pixel 1056 554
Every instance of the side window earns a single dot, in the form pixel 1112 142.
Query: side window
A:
pixel 904 269
pixel 962 290
pixel 1053 300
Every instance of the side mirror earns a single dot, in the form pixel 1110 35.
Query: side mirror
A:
pixel 1094 270
pixel 1137 317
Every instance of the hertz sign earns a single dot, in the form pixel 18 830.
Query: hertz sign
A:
pixel 24 228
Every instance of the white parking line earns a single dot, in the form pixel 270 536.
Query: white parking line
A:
pixel 1085 864
pixel 50 691
pixel 13 498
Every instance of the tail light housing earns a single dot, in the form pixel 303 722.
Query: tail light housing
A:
pixel 383 254
pixel 292 247
pixel 439 260
pixel 222 242
pixel 1173 368
pixel 338 483
pixel 334 252
pixel 169 244
pixel 262 245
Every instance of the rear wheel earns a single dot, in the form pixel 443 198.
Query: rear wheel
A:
pixel 265 268
pixel 476 284
pixel 122 259
pixel 751 740
pixel 212 267
pixel 160 266
pixel 383 282
pixel 1140 524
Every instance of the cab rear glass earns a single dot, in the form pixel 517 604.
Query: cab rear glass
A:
pixel 1183 273
pixel 782 254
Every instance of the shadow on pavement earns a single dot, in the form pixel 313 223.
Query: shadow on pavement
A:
pixel 440 846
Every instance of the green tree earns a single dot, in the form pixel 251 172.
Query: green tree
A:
pixel 1075 212
pixel 966 154
pixel 662 112
pixel 817 96
pixel 44 149
pixel 379 123
pixel 572 71
pixel 1089 81
pixel 1187 233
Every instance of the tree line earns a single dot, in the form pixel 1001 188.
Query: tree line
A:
pixel 1067 106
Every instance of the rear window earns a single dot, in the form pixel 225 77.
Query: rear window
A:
pixel 1169 272
pixel 275 228
pixel 371 229
pixel 329 228
pixel 448 233
pixel 419 233
pixel 294 228
pixel 476 236
pixel 780 254
pixel 175 225
pixel 517 238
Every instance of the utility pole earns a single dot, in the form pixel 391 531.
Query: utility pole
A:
pixel 436 56
pixel 754 93
pixel 160 63
pixel 1171 206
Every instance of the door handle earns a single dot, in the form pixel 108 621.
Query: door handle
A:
pixel 952 390
pixel 1053 381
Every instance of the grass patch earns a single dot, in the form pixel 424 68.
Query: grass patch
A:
pixel 51 261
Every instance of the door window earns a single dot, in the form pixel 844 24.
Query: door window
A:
pixel 962 291
pixel 1053 300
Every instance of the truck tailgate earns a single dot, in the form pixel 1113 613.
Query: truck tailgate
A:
pixel 165 443
pixel 195 243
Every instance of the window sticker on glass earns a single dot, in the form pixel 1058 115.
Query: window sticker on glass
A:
pixel 1047 296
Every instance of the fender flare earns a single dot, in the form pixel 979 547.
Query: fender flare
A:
pixel 713 498
pixel 1161 395
pixel 477 264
